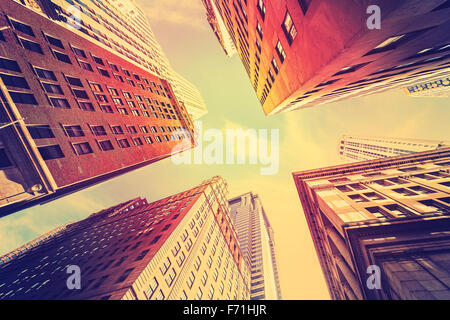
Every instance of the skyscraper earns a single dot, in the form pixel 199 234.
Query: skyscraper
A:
pixel 218 27
pixel 362 148
pixel 438 88
pixel 180 247
pixel 381 227
pixel 77 109
pixel 302 53
pixel 123 27
pixel 256 240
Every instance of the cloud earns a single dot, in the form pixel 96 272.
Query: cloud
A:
pixel 184 12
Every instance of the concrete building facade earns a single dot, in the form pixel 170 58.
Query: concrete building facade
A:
pixel 180 247
pixel 256 240
pixel 381 227
pixel 362 148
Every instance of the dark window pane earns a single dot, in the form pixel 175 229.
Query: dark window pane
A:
pixel 41 132
pixel 51 152
pixel 9 65
pixel 23 98
pixel 14 81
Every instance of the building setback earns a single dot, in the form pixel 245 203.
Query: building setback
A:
pixel 302 53
pixel 363 148
pixel 437 88
pixel 390 215
pixel 256 241
pixel 74 113
pixel 180 247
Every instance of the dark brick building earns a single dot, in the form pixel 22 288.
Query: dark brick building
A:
pixel 74 113
pixel 181 247
pixel 302 53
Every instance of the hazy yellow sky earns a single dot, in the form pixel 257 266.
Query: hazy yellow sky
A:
pixel 308 139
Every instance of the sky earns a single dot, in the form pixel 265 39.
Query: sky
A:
pixel 308 139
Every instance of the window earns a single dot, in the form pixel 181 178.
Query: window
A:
pixel 23 98
pixel 60 103
pixel 86 106
pixel 204 277
pixel 422 190
pixel 280 51
pixel 8 64
pixel 79 52
pixel 198 263
pixel 19 26
pixel 165 266
pixel 152 288
pixel 304 4
pixel 183 296
pixel 40 131
pixel 344 188
pixel 106 109
pixel 436 206
pixel 171 277
pixel 374 196
pixel 105 145
pixel 358 198
pixel 176 249
pixel 189 244
pixel 82 148
pixel 74 81
pixel 259 30
pixel 101 98
pixel 54 41
pixel 123 143
pixel 124 275
pixel 80 94
pixel 180 259
pixel 199 294
pixel 85 66
pixel 289 28
pixel 51 152
pixel 117 129
pixel 399 211
pixel 211 292
pixel 160 295
pixel 62 57
pixel 74 131
pixel 275 66
pixel 52 88
pixel 98 60
pixel 405 192
pixel 148 140
pixel 98 130
pixel 261 9
pixel 103 72
pixel 14 81
pixel 191 279
pixel 379 212
pixel 132 129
